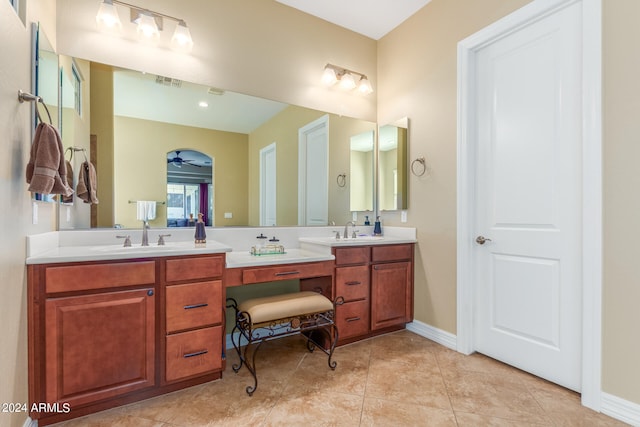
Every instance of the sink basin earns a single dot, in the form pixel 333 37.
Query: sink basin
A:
pixel 332 241
pixel 133 248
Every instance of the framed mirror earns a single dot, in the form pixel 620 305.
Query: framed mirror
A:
pixel 362 162
pixel 139 119
pixel 45 84
pixel 393 168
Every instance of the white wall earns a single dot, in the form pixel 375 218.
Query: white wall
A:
pixel 15 143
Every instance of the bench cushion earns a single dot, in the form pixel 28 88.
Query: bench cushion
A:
pixel 276 307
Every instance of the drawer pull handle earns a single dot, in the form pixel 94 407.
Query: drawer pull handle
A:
pixel 353 319
pixel 195 353
pixel 353 283
pixel 287 273
pixel 189 307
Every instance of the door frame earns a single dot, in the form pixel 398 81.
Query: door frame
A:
pixel 591 180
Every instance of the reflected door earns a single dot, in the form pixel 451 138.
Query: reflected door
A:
pixel 313 172
pixel 268 185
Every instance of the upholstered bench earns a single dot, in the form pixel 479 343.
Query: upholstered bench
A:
pixel 262 319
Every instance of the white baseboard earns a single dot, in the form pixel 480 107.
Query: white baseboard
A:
pixel 620 409
pixel 445 338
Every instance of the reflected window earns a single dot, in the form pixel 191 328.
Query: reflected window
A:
pixel 183 204
pixel 77 89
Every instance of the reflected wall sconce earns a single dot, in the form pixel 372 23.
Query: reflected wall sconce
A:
pixel 345 79
pixel 148 23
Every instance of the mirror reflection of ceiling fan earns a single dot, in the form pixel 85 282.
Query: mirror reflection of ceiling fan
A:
pixel 178 161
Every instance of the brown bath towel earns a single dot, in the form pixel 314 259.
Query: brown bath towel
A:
pixel 46 167
pixel 69 177
pixel 87 184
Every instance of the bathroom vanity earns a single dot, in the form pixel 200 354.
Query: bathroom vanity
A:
pixel 111 325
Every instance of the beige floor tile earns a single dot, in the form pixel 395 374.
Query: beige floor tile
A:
pixel 384 413
pixel 474 420
pixel 487 394
pixel 399 379
pixel 401 382
pixel 316 408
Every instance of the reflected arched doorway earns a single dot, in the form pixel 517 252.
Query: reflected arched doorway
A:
pixel 189 188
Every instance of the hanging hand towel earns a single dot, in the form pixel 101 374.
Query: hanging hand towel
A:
pixel 146 210
pixel 46 168
pixel 69 178
pixel 87 184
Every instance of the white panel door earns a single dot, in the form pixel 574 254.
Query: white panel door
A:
pixel 528 198
pixel 313 170
pixel 268 185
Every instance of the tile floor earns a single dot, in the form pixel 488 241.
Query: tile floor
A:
pixel 399 379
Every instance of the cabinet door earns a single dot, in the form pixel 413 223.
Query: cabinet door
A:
pixel 99 346
pixel 390 296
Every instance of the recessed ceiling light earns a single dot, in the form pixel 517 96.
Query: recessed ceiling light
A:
pixel 203 104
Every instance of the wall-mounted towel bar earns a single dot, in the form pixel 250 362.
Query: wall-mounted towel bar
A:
pixel 25 96
pixel 135 201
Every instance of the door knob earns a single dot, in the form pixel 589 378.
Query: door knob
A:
pixel 481 240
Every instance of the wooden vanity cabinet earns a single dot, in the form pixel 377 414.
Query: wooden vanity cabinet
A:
pixel 107 333
pixel 376 283
pixel 194 313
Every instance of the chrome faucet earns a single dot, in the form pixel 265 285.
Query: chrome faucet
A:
pixel 346 229
pixel 145 233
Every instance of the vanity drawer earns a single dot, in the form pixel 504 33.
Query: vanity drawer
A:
pixel 287 272
pixel 194 268
pixel 352 318
pixel 193 353
pixel 193 305
pixel 392 253
pixel 355 255
pixel 98 276
pixel 352 283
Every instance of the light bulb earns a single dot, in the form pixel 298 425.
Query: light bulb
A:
pixel 147 26
pixel 329 77
pixel 347 82
pixel 181 39
pixel 107 17
pixel 364 86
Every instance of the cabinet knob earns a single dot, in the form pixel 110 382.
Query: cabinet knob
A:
pixel 150 292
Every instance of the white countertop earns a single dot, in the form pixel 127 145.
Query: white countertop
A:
pixel 302 244
pixel 294 255
pixel 114 252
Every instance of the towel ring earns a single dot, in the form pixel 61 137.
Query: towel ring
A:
pixel 341 179
pixel 421 168
pixel 24 96
pixel 41 101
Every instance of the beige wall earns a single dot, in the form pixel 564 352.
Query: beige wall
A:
pixel 101 109
pixel 140 151
pixel 621 292
pixel 257 47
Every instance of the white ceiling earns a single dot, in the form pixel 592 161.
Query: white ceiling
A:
pixel 372 18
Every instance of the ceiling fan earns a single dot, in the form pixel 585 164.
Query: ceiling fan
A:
pixel 178 161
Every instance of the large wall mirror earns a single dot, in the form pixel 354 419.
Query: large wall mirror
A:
pixel 392 166
pixel 362 171
pixel 139 120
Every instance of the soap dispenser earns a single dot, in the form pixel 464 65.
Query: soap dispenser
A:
pixel 377 228
pixel 201 235
pixel 366 220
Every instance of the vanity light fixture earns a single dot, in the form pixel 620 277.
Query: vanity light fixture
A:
pixel 346 79
pixel 149 23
